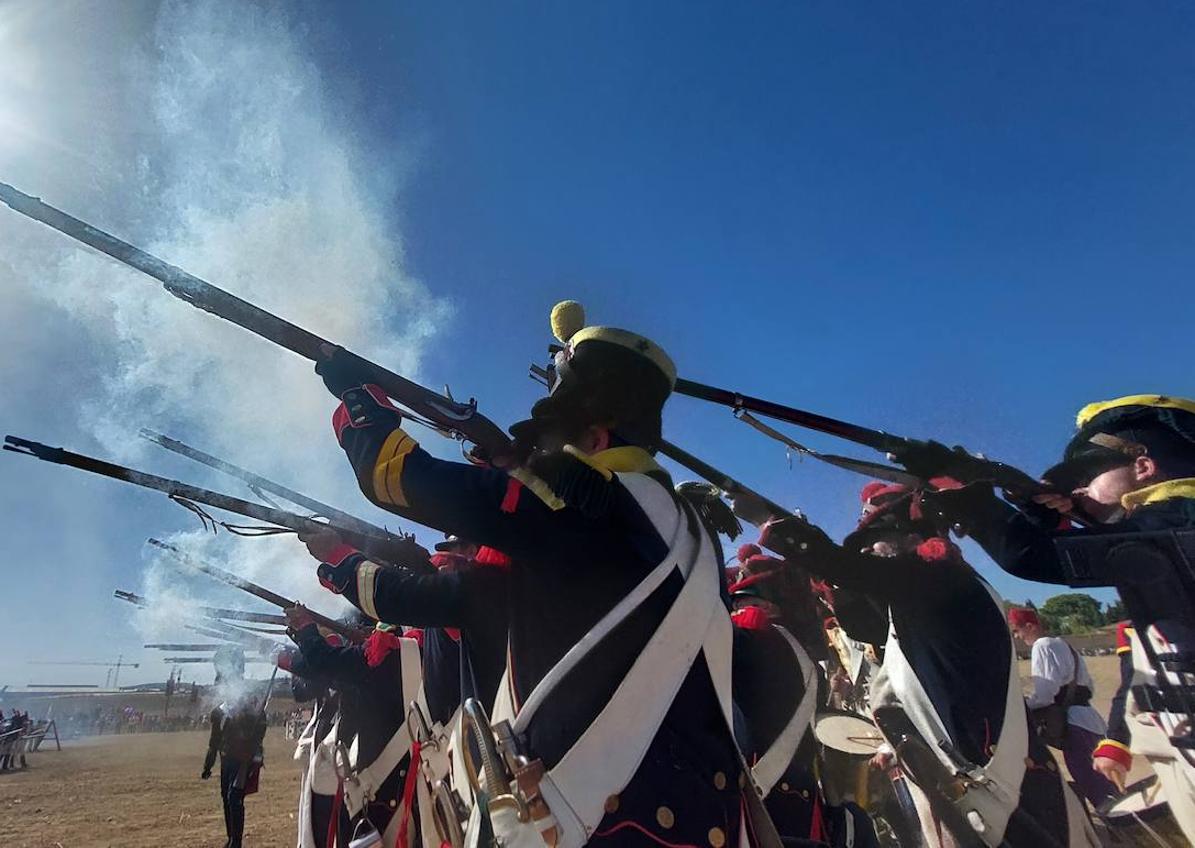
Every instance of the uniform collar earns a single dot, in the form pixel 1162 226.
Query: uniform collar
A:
pixel 1184 487
pixel 622 460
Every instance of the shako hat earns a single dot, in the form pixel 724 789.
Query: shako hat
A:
pixel 1115 432
pixel 602 375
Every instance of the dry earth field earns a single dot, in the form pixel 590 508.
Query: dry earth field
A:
pixel 143 790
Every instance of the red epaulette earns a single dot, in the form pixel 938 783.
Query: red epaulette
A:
pixel 378 646
pixel 751 618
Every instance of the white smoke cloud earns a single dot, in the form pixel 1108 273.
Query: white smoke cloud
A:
pixel 226 157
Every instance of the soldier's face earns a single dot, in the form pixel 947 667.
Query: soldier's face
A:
pixel 1101 498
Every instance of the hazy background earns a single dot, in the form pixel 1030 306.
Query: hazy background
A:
pixel 963 223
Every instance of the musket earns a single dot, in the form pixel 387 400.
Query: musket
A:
pixel 185 660
pixel 957 464
pixel 210 627
pixel 259 484
pixel 723 481
pixel 348 631
pixel 400 550
pixel 182 646
pixel 457 420
pixel 213 612
pixel 230 633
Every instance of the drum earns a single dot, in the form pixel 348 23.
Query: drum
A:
pixel 849 733
pixel 1141 817
pixel 848 741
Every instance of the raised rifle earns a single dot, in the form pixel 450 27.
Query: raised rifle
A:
pixel 209 627
pixel 355 634
pixel 925 460
pixel 441 412
pixel 258 484
pixel 400 550
pixel 213 612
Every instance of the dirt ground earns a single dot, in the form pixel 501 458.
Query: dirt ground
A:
pixel 141 790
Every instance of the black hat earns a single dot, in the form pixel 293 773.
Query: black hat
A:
pixel 602 374
pixel 450 542
pixel 1115 432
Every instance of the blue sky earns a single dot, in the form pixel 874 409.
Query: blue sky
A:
pixel 960 221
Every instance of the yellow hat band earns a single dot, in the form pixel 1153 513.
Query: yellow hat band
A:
pixel 632 341
pixel 1159 401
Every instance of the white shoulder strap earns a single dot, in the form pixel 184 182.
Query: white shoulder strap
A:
pixel 605 757
pixel 776 760
pixel 360 786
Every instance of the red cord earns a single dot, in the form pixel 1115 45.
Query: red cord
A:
pixel 408 794
pixel 817 829
pixel 333 829
pixel 642 830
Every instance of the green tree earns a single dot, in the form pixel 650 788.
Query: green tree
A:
pixel 1115 612
pixel 1071 613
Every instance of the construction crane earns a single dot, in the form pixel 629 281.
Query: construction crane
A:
pixel 111 681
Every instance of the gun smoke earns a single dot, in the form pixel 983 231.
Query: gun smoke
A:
pixel 233 161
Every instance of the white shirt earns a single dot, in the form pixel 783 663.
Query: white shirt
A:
pixel 1052 667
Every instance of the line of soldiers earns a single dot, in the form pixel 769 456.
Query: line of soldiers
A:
pixel 581 671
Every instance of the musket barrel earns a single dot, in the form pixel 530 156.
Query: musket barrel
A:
pixel 401 551
pixel 876 439
pixel 723 481
pixel 252 588
pixel 203 295
pixel 256 481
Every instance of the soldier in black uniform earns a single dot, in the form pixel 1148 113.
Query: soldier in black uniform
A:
pixel 1130 470
pixel 460 607
pixel 373 706
pixel 237 728
pixel 573 561
pixel 948 679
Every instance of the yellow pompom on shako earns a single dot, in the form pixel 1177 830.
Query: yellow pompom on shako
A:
pixel 1115 432
pixel 567 318
pixel 602 375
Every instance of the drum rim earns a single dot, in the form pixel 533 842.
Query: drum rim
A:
pixel 824 714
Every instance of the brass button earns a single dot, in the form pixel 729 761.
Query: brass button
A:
pixel 665 817
pixel 784 787
pixel 393 802
pixel 719 781
pixel 612 804
pixel 805 794
pixel 717 837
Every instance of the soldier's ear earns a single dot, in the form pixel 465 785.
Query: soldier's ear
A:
pixel 596 438
pixel 1145 470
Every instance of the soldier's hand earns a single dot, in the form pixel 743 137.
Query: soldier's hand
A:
pixel 929 459
pixel 321 542
pixel 1062 504
pixel 1111 769
pixel 340 372
pixel 882 760
pixel 207 773
pixel 298 617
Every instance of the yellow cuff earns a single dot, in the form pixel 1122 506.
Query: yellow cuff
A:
pixel 367 578
pixel 387 470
